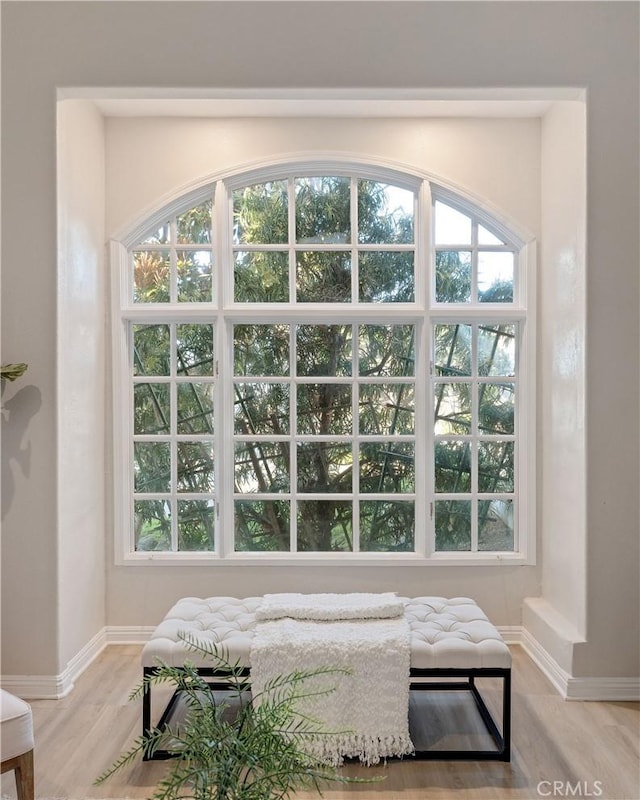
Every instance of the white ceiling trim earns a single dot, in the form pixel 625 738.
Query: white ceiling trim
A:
pixel 364 103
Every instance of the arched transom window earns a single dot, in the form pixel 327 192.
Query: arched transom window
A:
pixel 322 364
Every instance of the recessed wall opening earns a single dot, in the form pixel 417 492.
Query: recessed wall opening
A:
pixel 512 155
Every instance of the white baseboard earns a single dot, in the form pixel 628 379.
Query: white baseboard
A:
pixel 36 687
pixel 609 689
pixel 572 688
pixel 54 687
pixel 512 634
pixel 128 634
pixel 548 665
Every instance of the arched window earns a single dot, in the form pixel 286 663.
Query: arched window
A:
pixel 322 363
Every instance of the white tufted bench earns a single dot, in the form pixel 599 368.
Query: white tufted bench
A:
pixel 450 639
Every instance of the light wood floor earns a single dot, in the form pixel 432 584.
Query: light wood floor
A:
pixel 591 749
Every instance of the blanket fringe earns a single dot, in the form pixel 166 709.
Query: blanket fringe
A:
pixel 333 748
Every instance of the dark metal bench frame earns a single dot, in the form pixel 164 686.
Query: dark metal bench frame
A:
pixel 466 682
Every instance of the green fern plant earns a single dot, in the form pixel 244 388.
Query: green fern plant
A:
pixel 9 372
pixel 248 749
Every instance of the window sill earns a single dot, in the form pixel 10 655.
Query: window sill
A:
pixel 156 559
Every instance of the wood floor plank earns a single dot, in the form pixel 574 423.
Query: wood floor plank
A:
pixel 589 747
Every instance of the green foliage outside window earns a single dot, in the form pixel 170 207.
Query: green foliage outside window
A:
pixel 350 381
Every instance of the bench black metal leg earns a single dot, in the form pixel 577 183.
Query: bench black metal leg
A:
pixel 146 706
pixel 506 716
pixel 502 739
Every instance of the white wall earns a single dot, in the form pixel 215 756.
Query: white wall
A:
pixel 314 44
pixel 81 381
pixel 557 619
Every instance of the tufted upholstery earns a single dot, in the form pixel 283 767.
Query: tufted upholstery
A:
pixel 453 634
pixel 226 621
pixel 445 633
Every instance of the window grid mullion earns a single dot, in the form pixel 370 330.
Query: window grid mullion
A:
pixel 223 259
pixel 223 296
pixel 475 409
pixel 354 241
pixel 355 457
pixel 291 219
pixel 127 330
pixel 227 439
pixel 173 427
pixel 293 447
pixel 173 263
pixel 218 416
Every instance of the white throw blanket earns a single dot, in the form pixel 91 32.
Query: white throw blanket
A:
pixel 366 716
pixel 330 606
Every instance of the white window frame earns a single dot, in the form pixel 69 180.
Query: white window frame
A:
pixel 423 313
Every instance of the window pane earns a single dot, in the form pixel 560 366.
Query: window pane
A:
pixel 386 277
pixel 323 350
pixel 451 226
pixel 260 214
pixel 385 213
pixel 453 467
pixel 386 408
pixel 497 350
pixel 323 277
pixel 151 276
pixel 195 408
pixel 161 235
pixel 261 350
pixel 152 467
pixel 194 225
pixel 453 276
pixel 386 526
pixel 261 467
pixel 324 526
pixel 262 525
pixel 452 408
pixel 386 350
pixel 324 409
pixel 152 525
pixel 453 350
pixel 324 467
pixel 194 345
pixel 151 349
pixel 323 210
pixel 486 237
pixel 495 525
pixel 496 407
pixel 151 408
pixel 387 467
pixel 495 467
pixel 195 467
pixel 261 408
pixel 453 524
pixel 261 277
pixel 495 277
pixel 196 525
pixel 194 276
